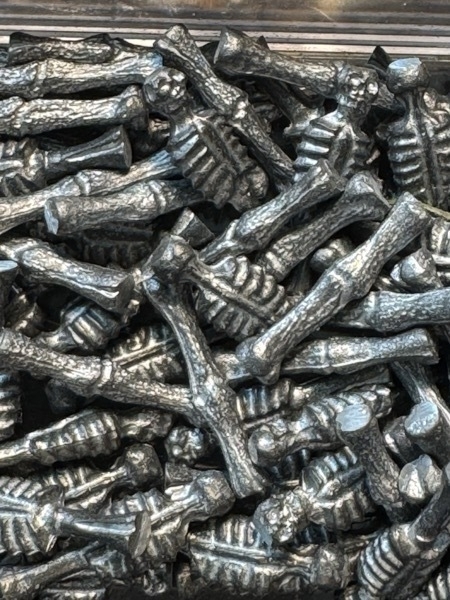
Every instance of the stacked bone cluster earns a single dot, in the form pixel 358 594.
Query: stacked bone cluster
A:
pixel 225 322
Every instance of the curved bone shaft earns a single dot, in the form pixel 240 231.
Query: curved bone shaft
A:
pixel 427 428
pixel 110 288
pixel 361 200
pixel 255 228
pixel 53 76
pixel 358 428
pixel 30 207
pixel 212 399
pixel 19 117
pixel 143 201
pixel 348 279
pixel 179 50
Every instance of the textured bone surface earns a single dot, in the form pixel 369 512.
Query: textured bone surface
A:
pixel 224 321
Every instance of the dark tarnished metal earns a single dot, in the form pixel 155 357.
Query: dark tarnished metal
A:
pixel 92 432
pixel 358 428
pixel 25 167
pixel 418 141
pixel 143 201
pixel 30 207
pixel 348 279
pixel 179 50
pixel 332 492
pixel 361 200
pixel 110 288
pixel 400 559
pixel 19 117
pixel 314 427
pixel 207 151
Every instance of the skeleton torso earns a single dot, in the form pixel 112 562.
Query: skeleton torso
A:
pixel 419 147
pixel 335 138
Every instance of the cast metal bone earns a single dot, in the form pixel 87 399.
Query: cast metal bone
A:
pixel 358 428
pixel 24 48
pixel 428 429
pixel 207 151
pixel 238 53
pixel 257 227
pixel 348 279
pixel 92 375
pixel 19 117
pixel 232 552
pixel 211 397
pixel 398 562
pixel 88 487
pixel 418 140
pixel 419 480
pixel 142 201
pixel 203 495
pixel 233 295
pixel 332 492
pixel 54 76
pixel 110 288
pixel 314 426
pixel 179 50
pixel 398 443
pixel 186 445
pixel 23 582
pixel 341 354
pixel 392 311
pixel 30 207
pixel 25 167
pixel 360 200
pixel 89 433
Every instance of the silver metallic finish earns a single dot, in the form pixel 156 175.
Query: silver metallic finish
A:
pixel 30 207
pixel 400 446
pixel 419 480
pixel 348 279
pixel 24 167
pixel 143 201
pixel 88 487
pixel 84 326
pixel 31 520
pixel 89 433
pixel 235 296
pixel 207 494
pixel 337 135
pixel 54 76
pixel 257 227
pixel 232 553
pixel 400 559
pixel 437 587
pixel 19 117
pixel 332 492
pixel 391 311
pixel 361 200
pixel 186 445
pixel 358 428
pixel 417 141
pixel 335 249
pixel 110 288
pixel 25 48
pixel 314 426
pixel 180 51
pixel 207 151
pixel 22 583
pixel 212 400
pixel 428 429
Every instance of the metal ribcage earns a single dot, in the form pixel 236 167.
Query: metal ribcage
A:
pixel 260 400
pixel 10 404
pixel 151 350
pixel 249 281
pixel 232 552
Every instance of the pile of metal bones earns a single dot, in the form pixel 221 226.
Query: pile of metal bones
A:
pixel 225 322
